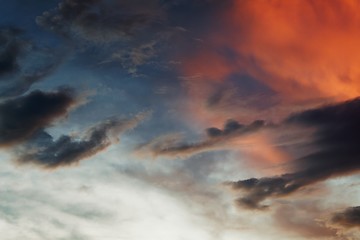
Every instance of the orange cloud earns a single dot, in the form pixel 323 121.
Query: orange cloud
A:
pixel 262 153
pixel 305 47
pixel 302 49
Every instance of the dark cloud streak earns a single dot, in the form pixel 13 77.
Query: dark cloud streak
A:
pixel 172 146
pixel 349 218
pixel 45 152
pixel 336 141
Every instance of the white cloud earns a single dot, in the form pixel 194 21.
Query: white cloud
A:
pixel 97 200
pixel 90 202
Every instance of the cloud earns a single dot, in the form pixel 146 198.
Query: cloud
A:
pixel 337 137
pixel 99 21
pixel 23 83
pixel 23 63
pixel 335 152
pixel 291 47
pixel 44 151
pixel 132 58
pixel 96 202
pixel 10 50
pixel 259 189
pixel 23 116
pixel 272 42
pixel 349 218
pixel 172 146
pixel 304 218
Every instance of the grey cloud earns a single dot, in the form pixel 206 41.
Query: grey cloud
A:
pixel 48 153
pixel 257 190
pixel 132 58
pixel 233 127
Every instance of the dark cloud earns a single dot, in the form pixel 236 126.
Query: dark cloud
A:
pixel 233 128
pixel 23 116
pixel 259 189
pixel 335 153
pixel 44 151
pixel 11 47
pixel 99 20
pixel 22 63
pixel 173 146
pixel 22 83
pixel 348 218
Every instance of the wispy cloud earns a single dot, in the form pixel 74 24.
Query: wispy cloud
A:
pixel 335 153
pixel 172 146
pixel 99 21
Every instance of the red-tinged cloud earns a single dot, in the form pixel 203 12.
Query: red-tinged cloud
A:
pixel 302 50
pixel 304 47
pixel 305 219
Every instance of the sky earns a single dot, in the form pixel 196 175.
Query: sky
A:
pixel 179 119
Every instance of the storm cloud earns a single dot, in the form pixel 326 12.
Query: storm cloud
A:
pixel 336 153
